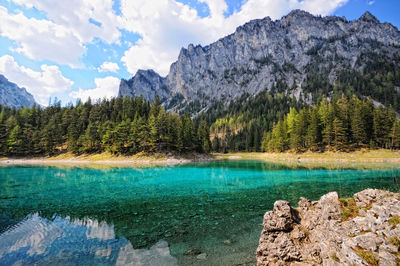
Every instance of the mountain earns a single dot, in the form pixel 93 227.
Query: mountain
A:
pixel 146 83
pixel 308 56
pixel 14 96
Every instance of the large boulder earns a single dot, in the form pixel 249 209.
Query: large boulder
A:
pixel 317 233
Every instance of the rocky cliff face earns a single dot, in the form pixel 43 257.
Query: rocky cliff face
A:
pixel 14 96
pixel 263 52
pixel 363 230
pixel 146 83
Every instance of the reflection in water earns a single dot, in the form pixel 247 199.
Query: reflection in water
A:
pixel 59 241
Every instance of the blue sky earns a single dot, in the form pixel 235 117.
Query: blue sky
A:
pixel 80 48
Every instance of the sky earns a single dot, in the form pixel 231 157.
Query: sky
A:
pixel 70 50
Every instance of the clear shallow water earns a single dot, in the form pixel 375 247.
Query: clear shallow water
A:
pixel 88 216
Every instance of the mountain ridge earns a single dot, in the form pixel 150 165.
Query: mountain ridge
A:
pixel 14 96
pixel 262 52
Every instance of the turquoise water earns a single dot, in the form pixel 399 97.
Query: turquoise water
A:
pixel 86 216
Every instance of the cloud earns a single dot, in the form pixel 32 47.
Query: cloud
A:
pixel 370 3
pixel 88 19
pixel 108 67
pixel 105 88
pixel 40 39
pixel 166 25
pixel 41 84
pixel 61 38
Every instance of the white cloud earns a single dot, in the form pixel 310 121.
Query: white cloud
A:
pixel 40 39
pixel 105 88
pixel 108 67
pixel 371 3
pixel 167 25
pixel 41 84
pixel 75 15
pixel 62 38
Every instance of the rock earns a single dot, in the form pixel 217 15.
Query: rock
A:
pixel 202 256
pixel 146 83
pixel 320 237
pixel 228 242
pixel 330 206
pixel 281 218
pixel 14 96
pixel 304 203
pixel 192 251
pixel 369 196
pixel 387 258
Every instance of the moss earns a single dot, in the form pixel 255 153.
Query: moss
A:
pixel 395 220
pixel 349 209
pixel 367 256
pixel 352 235
pixel 395 241
pixel 335 257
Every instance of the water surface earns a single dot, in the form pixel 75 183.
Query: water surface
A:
pixel 153 215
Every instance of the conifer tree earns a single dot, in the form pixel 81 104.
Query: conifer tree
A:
pixel 313 137
pixel 395 135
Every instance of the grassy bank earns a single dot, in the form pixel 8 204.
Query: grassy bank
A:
pixel 364 158
pixel 106 160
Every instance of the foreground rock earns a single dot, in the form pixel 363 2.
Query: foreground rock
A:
pixel 363 230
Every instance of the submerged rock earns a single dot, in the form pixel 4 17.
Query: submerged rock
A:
pixel 192 251
pixel 359 231
pixel 202 256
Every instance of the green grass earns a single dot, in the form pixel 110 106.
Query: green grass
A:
pixel 363 159
pixel 335 257
pixel 367 256
pixel 395 220
pixel 349 209
pixel 395 241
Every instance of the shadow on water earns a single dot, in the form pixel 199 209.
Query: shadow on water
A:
pixel 189 205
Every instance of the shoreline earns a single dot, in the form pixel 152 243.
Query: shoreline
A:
pixel 105 160
pixel 364 158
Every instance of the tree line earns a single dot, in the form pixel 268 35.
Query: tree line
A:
pixel 120 126
pixel 344 124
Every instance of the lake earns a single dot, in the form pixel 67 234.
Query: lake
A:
pixel 153 215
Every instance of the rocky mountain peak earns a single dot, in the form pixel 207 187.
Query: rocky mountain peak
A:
pixel 14 96
pixel 146 83
pixel 368 17
pixel 262 53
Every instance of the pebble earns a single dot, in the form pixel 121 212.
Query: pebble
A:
pixel 202 256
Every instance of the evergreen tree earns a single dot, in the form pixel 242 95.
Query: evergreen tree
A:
pixel 313 137
pixel 358 124
pixel 327 116
pixel 203 134
pixel 15 143
pixel 395 135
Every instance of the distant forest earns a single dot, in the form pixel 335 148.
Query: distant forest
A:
pixel 120 125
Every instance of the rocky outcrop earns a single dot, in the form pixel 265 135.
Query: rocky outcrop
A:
pixel 146 83
pixel 263 52
pixel 14 96
pixel 363 230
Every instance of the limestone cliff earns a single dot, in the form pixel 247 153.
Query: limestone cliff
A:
pixel 263 52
